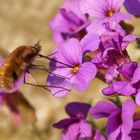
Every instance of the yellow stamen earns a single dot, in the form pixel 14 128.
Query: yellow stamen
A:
pixel 110 12
pixel 75 69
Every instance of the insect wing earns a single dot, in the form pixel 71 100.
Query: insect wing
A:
pixel 20 106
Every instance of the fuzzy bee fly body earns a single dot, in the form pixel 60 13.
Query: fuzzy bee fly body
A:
pixel 16 64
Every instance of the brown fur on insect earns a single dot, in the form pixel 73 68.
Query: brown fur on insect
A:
pixel 16 65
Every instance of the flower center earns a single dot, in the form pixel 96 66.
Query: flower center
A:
pixel 75 69
pixel 110 12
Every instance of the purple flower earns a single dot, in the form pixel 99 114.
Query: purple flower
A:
pixel 135 133
pixel 98 136
pixel 130 85
pixel 70 68
pixel 76 127
pixel 99 27
pixel 112 49
pixel 106 10
pixel 120 120
pixel 133 6
pixel 69 22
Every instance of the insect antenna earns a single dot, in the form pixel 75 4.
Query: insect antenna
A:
pixel 52 59
pixel 37 46
pixel 43 68
pixel 51 54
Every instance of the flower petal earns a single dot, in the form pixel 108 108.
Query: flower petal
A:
pixel 85 129
pixel 58 86
pixel 137 99
pixel 128 110
pixel 98 136
pixel 58 39
pixel 73 5
pixel 128 69
pixel 71 17
pixel 121 87
pixel 117 17
pixel 111 73
pixel 78 131
pixel 132 7
pixel 102 109
pixel 90 42
pixel 94 8
pixel 59 24
pixel 136 76
pixel 65 123
pixel 72 132
pixel 75 108
pixel 84 76
pixel 71 52
pixel 96 27
pixel 113 125
pixel 127 40
pixel 116 3
pixel 135 133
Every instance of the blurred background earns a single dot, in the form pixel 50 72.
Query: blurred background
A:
pixel 24 22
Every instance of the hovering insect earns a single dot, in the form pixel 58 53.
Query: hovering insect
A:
pixel 14 68
pixel 16 65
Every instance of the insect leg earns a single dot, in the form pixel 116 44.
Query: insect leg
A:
pixel 37 85
pixel 43 86
pixel 43 68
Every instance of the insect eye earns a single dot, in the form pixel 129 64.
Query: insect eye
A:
pixel 29 57
pixel 18 55
pixel 15 76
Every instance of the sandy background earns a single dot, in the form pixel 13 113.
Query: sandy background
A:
pixel 26 22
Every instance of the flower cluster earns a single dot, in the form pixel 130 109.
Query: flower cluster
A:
pixel 122 121
pixel 91 41
pixel 77 126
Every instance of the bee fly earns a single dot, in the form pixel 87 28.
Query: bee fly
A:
pixel 20 62
pixel 16 65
